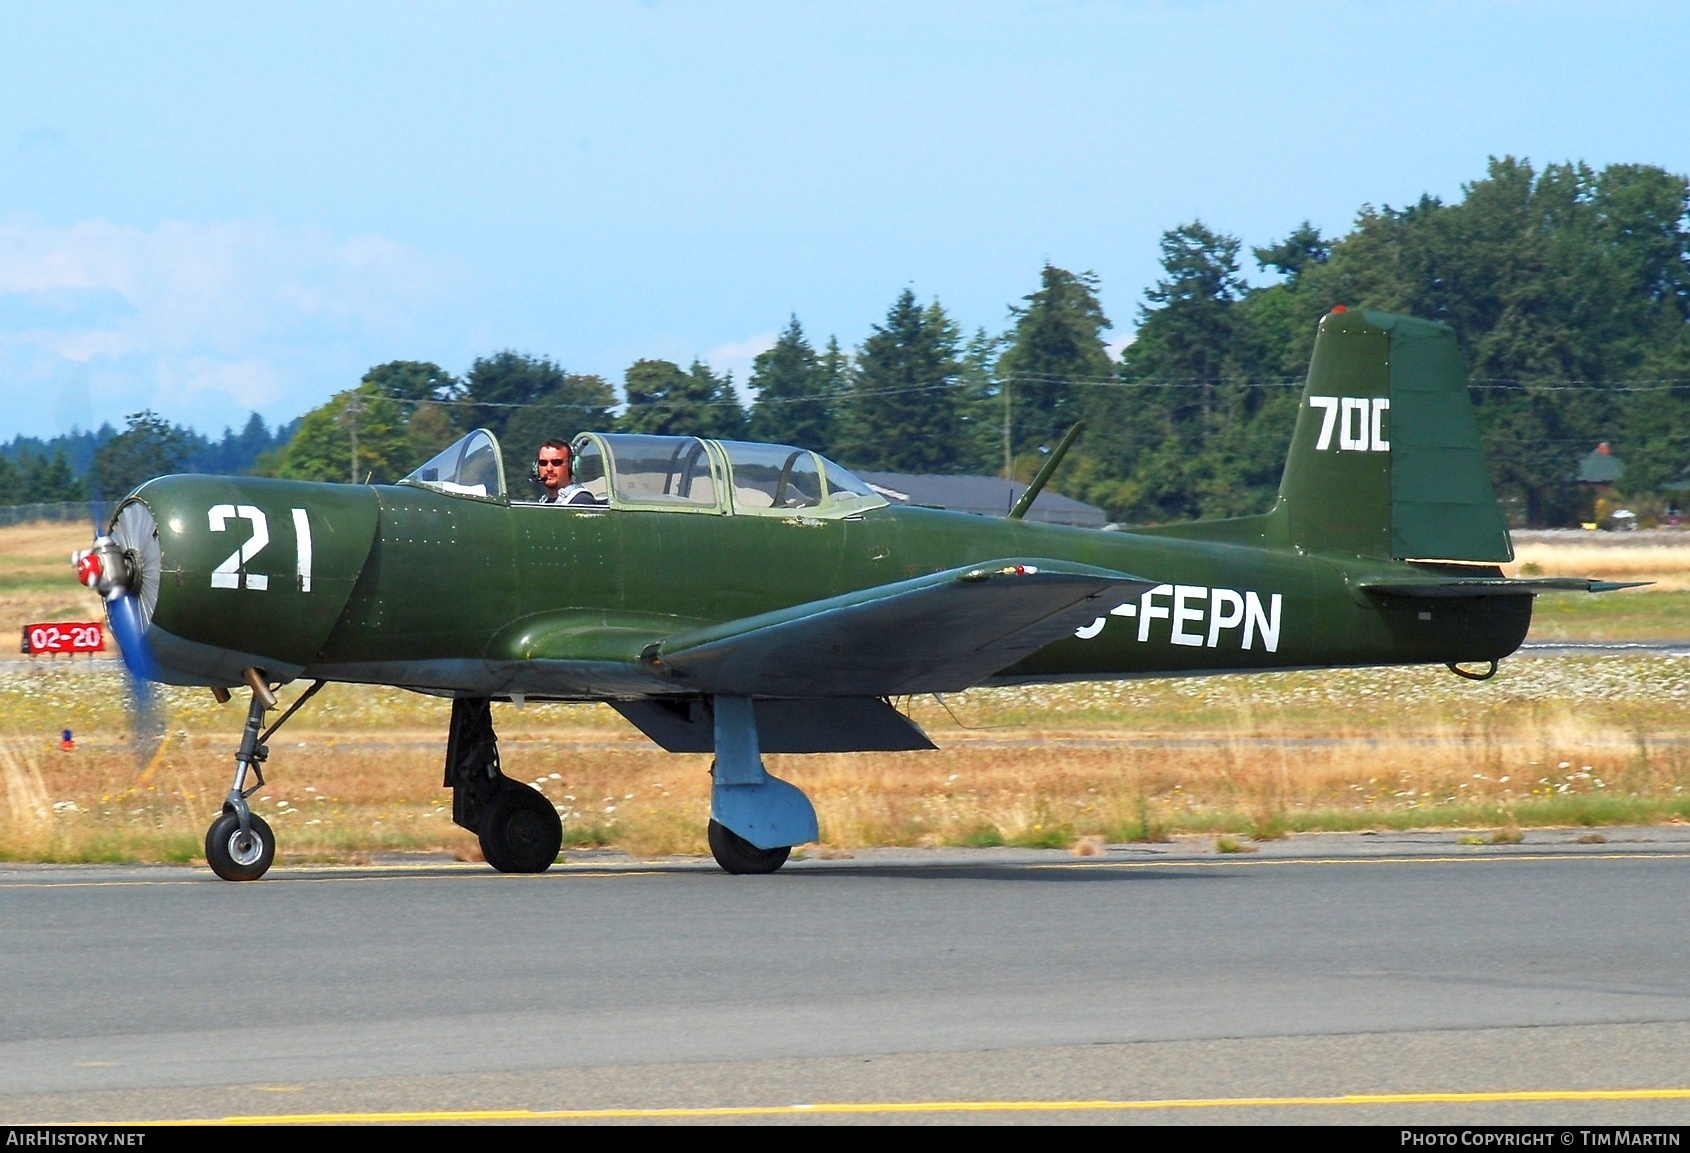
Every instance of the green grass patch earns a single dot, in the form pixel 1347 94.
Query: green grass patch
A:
pixel 1044 837
pixel 588 836
pixel 1539 812
pixel 1622 616
pixel 1144 828
pixel 982 837
pixel 116 847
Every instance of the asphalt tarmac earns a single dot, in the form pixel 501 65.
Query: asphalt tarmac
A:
pixel 1436 982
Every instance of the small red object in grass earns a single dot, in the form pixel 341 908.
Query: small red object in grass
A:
pixel 66 743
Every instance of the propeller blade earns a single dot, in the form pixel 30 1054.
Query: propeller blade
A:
pixel 124 613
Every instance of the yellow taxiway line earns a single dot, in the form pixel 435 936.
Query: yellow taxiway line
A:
pixel 840 1108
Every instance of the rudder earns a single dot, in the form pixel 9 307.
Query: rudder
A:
pixel 1386 459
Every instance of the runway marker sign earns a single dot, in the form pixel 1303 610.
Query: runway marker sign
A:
pixel 63 637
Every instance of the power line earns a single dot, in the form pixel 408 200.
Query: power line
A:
pixel 1484 384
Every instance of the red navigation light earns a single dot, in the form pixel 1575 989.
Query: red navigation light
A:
pixel 1339 308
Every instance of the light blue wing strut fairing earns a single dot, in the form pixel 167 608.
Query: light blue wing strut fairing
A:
pixel 744 798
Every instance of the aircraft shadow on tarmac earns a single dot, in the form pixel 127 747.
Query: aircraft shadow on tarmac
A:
pixel 971 871
pixel 1044 874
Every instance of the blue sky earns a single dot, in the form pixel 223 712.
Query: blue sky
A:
pixel 215 209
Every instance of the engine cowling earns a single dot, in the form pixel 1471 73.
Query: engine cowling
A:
pixel 237 572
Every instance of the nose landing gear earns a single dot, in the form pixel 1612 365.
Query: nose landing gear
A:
pixel 240 846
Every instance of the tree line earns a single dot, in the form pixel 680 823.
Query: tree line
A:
pixel 1568 289
pixel 104 464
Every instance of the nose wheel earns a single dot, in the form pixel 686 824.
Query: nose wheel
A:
pixel 238 854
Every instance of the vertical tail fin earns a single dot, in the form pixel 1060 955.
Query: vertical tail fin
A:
pixel 1386 459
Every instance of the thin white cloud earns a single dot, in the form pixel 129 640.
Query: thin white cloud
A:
pixel 737 357
pixel 201 321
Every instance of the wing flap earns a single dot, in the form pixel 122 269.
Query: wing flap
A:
pixel 938 633
pixel 815 725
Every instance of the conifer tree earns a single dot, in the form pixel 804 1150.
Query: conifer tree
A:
pixel 1055 350
pixel 792 405
pixel 902 412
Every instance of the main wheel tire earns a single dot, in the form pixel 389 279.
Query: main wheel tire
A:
pixel 235 857
pixel 520 831
pixel 738 855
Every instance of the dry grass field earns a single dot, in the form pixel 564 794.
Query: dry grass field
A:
pixel 1586 741
pixel 1660 556
pixel 1659 611
pixel 36 583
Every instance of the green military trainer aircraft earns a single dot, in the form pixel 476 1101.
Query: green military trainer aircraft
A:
pixel 739 598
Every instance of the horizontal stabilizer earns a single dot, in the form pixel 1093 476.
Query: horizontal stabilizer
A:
pixel 938 633
pixel 1493 586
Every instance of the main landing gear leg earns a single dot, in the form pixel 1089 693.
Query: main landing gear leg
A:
pixel 519 829
pixel 239 846
pixel 755 819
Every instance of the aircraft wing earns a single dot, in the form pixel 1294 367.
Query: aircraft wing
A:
pixel 1436 586
pixel 937 633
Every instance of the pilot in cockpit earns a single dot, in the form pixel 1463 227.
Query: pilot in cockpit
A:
pixel 552 466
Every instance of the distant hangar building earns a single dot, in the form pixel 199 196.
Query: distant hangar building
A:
pixel 984 495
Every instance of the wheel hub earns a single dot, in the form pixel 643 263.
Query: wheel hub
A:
pixel 245 848
pixel 524 830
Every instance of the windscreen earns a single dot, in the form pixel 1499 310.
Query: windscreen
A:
pixel 774 476
pixel 479 468
pixel 470 466
pixel 841 483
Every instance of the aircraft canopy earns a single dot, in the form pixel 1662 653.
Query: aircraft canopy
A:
pixel 676 473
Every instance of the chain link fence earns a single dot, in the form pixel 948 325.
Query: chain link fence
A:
pixel 88 512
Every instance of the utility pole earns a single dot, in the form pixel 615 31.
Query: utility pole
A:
pixel 1008 456
pixel 352 424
